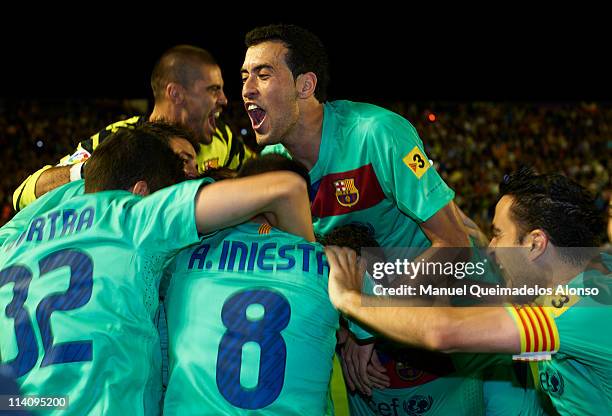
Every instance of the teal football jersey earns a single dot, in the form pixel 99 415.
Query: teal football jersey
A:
pixel 577 378
pixel 507 388
pixel 250 324
pixel 45 202
pixel 78 292
pixel 372 169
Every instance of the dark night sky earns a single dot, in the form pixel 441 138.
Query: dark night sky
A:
pixel 372 57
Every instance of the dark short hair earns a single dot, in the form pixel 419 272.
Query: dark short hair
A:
pixel 354 236
pixel 272 162
pixel 220 173
pixel 130 155
pixel 306 52
pixel 566 211
pixel 179 64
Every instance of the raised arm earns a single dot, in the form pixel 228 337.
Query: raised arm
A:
pixel 233 201
pixel 50 177
pixel 26 193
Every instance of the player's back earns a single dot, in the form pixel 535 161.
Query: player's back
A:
pixel 251 327
pixel 78 291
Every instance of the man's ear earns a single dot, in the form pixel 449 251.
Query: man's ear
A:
pixel 140 188
pixel 175 93
pixel 306 84
pixel 539 242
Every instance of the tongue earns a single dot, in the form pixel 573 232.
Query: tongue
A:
pixel 257 115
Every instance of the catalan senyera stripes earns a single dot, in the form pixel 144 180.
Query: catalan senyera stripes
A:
pixel 537 329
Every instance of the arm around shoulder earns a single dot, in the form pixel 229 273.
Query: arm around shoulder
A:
pixel 233 201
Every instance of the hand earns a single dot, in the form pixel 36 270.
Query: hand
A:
pixel 345 272
pixel 361 367
pixel 377 371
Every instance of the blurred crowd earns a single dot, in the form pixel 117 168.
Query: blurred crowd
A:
pixel 471 144
pixel 474 145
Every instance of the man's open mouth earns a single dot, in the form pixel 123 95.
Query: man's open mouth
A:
pixel 256 114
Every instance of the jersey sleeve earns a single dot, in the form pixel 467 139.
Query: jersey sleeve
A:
pixel 359 332
pixel 537 330
pixel 165 220
pixel 406 172
pixel 25 194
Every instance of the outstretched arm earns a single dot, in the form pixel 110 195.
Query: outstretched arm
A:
pixel 473 229
pixel 233 201
pixel 51 179
pixel 48 178
pixel 476 329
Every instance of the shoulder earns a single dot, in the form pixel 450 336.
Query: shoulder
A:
pixel 100 136
pixel 129 122
pixel 174 194
pixel 369 114
pixel 370 123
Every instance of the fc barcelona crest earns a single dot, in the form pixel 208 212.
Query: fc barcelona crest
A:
pixel 210 164
pixel 406 372
pixel 346 192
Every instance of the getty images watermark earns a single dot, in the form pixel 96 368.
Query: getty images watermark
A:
pixel 477 277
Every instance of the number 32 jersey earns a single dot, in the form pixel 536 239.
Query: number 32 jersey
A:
pixel 78 292
pixel 250 325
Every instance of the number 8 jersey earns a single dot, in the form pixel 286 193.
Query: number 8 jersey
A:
pixel 250 325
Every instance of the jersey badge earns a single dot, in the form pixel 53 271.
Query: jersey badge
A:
pixel 552 382
pixel 210 164
pixel 406 372
pixel 347 193
pixel 417 405
pixel 417 162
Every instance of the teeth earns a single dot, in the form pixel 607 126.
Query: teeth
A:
pixel 252 107
pixel 217 114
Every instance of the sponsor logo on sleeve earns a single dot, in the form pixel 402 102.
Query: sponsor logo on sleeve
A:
pixel 79 156
pixel 416 162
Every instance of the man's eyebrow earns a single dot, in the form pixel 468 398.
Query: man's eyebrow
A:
pixel 258 68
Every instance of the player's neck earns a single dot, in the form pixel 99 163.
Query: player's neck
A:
pixel 560 271
pixel 162 111
pixel 304 141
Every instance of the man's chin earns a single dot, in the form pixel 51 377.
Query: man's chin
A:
pixel 205 138
pixel 265 139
